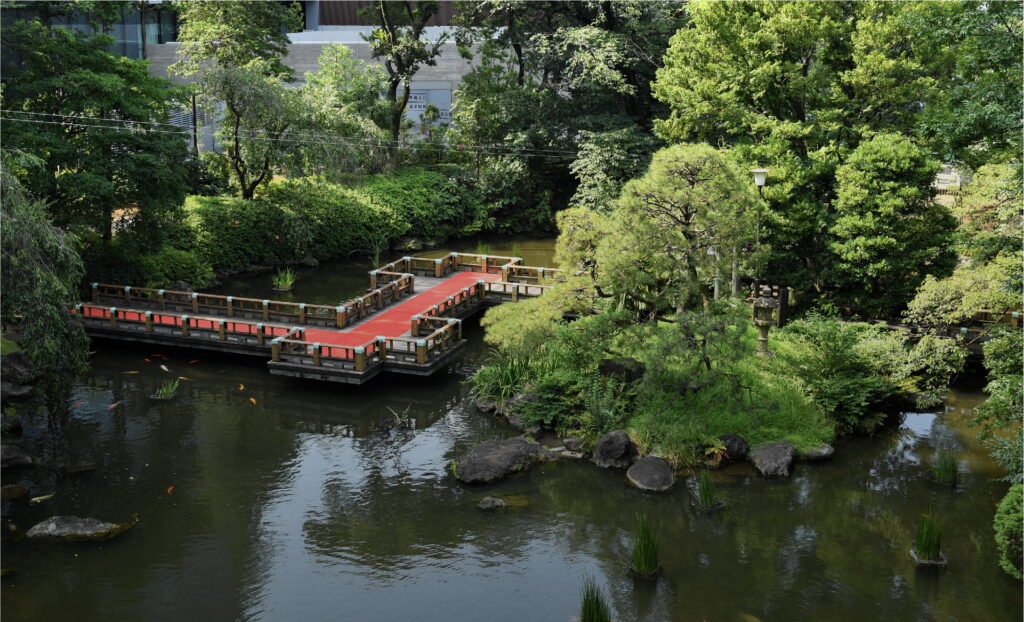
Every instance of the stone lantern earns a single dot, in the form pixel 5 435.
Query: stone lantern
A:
pixel 764 318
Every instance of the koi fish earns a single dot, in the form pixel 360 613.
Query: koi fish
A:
pixel 193 361
pixel 170 489
pixel 160 356
pixel 241 387
pixel 77 404
pixel 147 360
pixel 183 378
pixel 129 372
pixel 253 400
pixel 35 500
pixel 113 406
pixel 164 367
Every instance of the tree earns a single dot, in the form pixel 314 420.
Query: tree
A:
pixel 232 33
pixel 887 234
pixel 1007 527
pixel 41 271
pixel 260 113
pixel 989 211
pixel 398 39
pixel 90 115
pixel 672 225
pixel 998 418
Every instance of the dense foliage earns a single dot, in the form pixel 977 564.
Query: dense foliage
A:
pixel 1008 524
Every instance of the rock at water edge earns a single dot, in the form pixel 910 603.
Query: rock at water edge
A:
pixel 773 459
pixel 651 473
pixel 615 450
pixel 491 503
pixel 494 460
pixel 75 529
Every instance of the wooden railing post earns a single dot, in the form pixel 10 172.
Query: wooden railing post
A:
pixel 113 317
pixel 382 348
pixel 266 310
pixel 195 303
pixel 515 292
pixel 221 330
pixel 504 272
pixel 127 294
pixel 1014 318
pixel 340 316
pixel 414 325
pixel 373 279
pixel 407 263
pixel 480 291
pixel 231 307
pixel 160 298
pixel 95 292
pixel 79 313
pixel 421 351
pixel 302 313
pixel 149 321
pixel 458 327
pixel 275 349
pixel 261 334
pixel 184 325
pixel 438 267
pixel 316 354
pixel 360 356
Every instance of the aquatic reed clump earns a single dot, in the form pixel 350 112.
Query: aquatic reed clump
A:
pixel 645 549
pixel 284 280
pixel 167 389
pixel 593 606
pixel 928 541
pixel 946 469
pixel 517 250
pixel 706 491
pixel 483 248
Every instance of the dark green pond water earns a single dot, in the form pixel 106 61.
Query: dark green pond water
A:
pixel 303 506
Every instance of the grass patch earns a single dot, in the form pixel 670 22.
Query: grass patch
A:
pixel 946 468
pixel 167 389
pixel 928 540
pixel 284 279
pixel 8 346
pixel 593 605
pixel 645 548
pixel 503 375
pixel 706 490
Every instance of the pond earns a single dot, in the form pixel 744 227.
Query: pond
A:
pixel 266 498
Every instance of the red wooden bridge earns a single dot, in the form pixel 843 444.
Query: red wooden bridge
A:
pixel 410 320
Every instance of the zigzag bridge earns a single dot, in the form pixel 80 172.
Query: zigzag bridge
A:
pixel 410 320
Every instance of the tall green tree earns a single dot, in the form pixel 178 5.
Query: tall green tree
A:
pixel 398 38
pixel 41 270
pixel 888 233
pixel 231 33
pixel 88 115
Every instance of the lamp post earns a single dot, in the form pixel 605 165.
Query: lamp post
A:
pixel 760 177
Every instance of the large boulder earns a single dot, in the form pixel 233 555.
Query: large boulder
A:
pixel 75 529
pixel 494 460
pixel 13 456
pixel 491 503
pixel 651 473
pixel 735 446
pixel 16 368
pixel 628 369
pixel 614 449
pixel 818 454
pixel 773 459
pixel 515 413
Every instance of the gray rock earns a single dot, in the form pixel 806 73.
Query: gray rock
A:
pixel 515 410
pixel 13 456
pixel 651 473
pixel 17 368
pixel 491 503
pixel 575 455
pixel 735 446
pixel 181 286
pixel 819 453
pixel 10 390
pixel 773 459
pixel 628 369
pixel 614 449
pixel 309 261
pixel 486 405
pixel 572 443
pixel 494 460
pixel 75 529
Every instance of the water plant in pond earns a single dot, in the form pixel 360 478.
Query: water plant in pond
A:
pixel 706 491
pixel 284 280
pixel 645 549
pixel 503 376
pixel 517 250
pixel 166 390
pixel 482 248
pixel 945 468
pixel 928 540
pixel 593 606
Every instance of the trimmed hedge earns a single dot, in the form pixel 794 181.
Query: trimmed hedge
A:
pixel 435 205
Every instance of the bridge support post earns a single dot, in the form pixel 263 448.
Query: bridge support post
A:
pixel 261 335
pixel 149 321
pixel 221 333
pixel 339 316
pixel 113 317
pixel 360 358
pixel 302 313
pixel 275 349
pixel 421 351
pixel 184 325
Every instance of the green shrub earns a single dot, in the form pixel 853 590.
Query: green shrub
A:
pixel 1008 519
pixel 434 205
pixel 160 269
